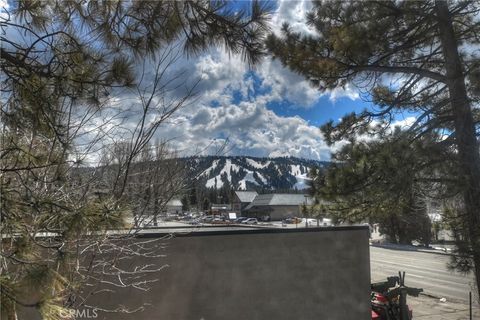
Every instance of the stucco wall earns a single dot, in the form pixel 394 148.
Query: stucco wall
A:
pixel 281 275
pixel 253 274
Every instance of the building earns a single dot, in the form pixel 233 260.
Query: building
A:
pixel 242 199
pixel 174 206
pixel 277 206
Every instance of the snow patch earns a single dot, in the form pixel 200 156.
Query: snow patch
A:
pixel 302 182
pixel 229 166
pixel 295 170
pixel 242 184
pixel 209 170
pixel 211 182
pixel 257 164
pixel 262 178
pixel 302 178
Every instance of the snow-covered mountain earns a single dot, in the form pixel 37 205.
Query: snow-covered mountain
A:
pixel 247 173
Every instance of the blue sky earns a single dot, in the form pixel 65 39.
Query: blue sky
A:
pixel 324 109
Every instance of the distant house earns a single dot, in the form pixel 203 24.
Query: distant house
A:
pixel 242 199
pixel 174 206
pixel 277 206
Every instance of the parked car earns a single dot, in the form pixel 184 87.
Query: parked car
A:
pixel 208 219
pixel 327 222
pixel 250 221
pixel 293 220
pixel 186 218
pixel 239 220
pixel 219 219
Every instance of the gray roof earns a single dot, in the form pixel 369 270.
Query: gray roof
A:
pixel 174 203
pixel 246 196
pixel 280 199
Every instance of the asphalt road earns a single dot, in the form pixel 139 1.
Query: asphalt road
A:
pixel 423 270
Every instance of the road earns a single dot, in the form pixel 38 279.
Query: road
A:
pixel 423 270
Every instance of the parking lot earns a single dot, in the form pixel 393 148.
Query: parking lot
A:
pixel 198 219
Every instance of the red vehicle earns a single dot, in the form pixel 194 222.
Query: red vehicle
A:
pixel 389 299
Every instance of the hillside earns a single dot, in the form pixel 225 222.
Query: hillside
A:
pixel 248 173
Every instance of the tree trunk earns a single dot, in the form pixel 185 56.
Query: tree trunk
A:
pixel 392 231
pixel 466 141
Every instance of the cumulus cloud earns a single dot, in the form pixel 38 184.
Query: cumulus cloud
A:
pixel 294 13
pixel 348 91
pixel 220 74
pixel 286 85
pixel 246 122
pixel 251 129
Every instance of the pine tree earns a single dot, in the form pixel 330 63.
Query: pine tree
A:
pixel 385 181
pixel 61 62
pixel 409 56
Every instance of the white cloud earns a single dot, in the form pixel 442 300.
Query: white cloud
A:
pixel 251 129
pixel 404 124
pixel 348 91
pixel 4 7
pixel 294 13
pixel 286 85
pixel 220 74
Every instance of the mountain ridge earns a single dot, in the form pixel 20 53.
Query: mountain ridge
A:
pixel 251 173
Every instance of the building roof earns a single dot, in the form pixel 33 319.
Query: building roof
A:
pixel 280 199
pixel 174 203
pixel 246 196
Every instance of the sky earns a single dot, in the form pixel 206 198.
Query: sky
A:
pixel 266 112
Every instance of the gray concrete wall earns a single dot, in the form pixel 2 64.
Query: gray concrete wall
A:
pixel 322 274
pixel 252 274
